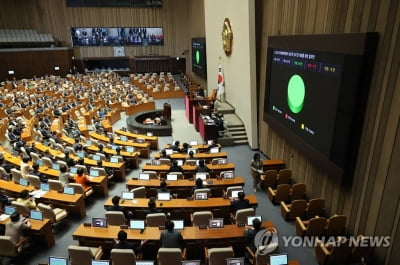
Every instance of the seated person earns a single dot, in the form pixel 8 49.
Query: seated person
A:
pixel 25 167
pixel 163 187
pixel 163 154
pixel 81 179
pixel 108 170
pixel 123 243
pixel 202 167
pixel 115 207
pixel 15 229
pixel 199 185
pixel 175 147
pixel 152 207
pixel 171 238
pixel 67 159
pixel 175 167
pixel 185 147
pixel 35 172
pixel 250 234
pixel 64 176
pixel 240 203
pixel 191 155
pixel 26 200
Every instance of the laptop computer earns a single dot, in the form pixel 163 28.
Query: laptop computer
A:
pixel 144 176
pixel 81 154
pixel 190 262
pixel 169 151
pixel 235 261
pixel 36 215
pixel 130 149
pixel 69 190
pixel 216 223
pixel 58 261
pixel 214 150
pixel 99 222
pixel 178 224
pixel 201 175
pixel 136 224
pixel 192 143
pixel 100 262
pixel 114 147
pixel 278 259
pixel 114 159
pixel 96 157
pixel 126 195
pixel 163 196
pixel 94 173
pixel 9 210
pixel 155 162
pixel 228 175
pixel 23 182
pixel 251 218
pixel 73 170
pixel 222 161
pixel 235 193
pixel 44 186
pixel 124 138
pixel 144 262
pixel 172 177
pixel 201 196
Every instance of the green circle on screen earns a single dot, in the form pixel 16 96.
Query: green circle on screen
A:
pixel 296 93
pixel 197 57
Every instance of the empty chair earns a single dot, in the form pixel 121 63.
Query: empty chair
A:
pixel 35 157
pixel 52 142
pixel 165 161
pixel 179 175
pixel 284 176
pixel 55 185
pixel 296 209
pixel 34 181
pixel 47 162
pixel 315 207
pixel 16 175
pixel 139 192
pixel 79 189
pixel 55 215
pixel 338 252
pixel 60 147
pixel 122 256
pixel 241 215
pixel 152 174
pixel 21 208
pixel 201 218
pixel 281 193
pixel 156 219
pixel 168 256
pixel 115 218
pixel 9 248
pixel 233 188
pixel 80 255
pixel 313 227
pixel 268 180
pixel 298 192
pixel 336 225
pixel 70 150
pixel 218 256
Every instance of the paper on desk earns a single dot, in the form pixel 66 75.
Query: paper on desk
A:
pixel 37 193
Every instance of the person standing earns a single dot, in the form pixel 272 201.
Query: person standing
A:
pixel 256 168
pixel 171 238
pixel 15 229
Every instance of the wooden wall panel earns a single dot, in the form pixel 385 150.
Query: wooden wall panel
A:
pixel 372 201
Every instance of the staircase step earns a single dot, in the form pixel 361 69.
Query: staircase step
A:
pixel 240 133
pixel 236 129
pixel 239 142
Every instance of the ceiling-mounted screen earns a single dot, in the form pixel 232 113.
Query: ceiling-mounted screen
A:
pixel 133 36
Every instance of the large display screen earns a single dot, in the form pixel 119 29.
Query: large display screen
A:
pixel 134 36
pixel 316 91
pixel 199 62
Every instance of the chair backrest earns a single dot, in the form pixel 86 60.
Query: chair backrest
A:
pixel 179 175
pixel 102 156
pixel 83 168
pixel 218 256
pixel 191 162
pixel 297 209
pixel 122 256
pixel 80 255
pixel 34 181
pixel 55 185
pixel 167 256
pixel 336 225
pixel 35 157
pixel 77 188
pixel 16 175
pixel 315 207
pixel 101 170
pixel 282 193
pixel 62 163
pixel 298 191
pixel 60 147
pixel 115 218
pixel 156 219
pixel 232 188
pixel 21 208
pixel 316 226
pixel 165 161
pixel 3 171
pixel 8 248
pixel 202 191
pixel 47 211
pixel 139 192
pixel 70 150
pixel 340 253
pixel 284 176
pixel 47 162
pixel 152 174
pixel 52 142
pixel 270 177
pixel 201 218
pixel 242 214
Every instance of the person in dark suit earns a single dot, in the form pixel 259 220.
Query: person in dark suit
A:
pixel 171 238
pixel 152 207
pixel 240 203
pixel 202 167
pixel 122 243
pixel 175 147
pixel 250 233
pixel 35 172
pixel 199 185
pixel 115 207
pixel 175 167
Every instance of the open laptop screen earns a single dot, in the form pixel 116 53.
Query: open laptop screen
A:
pixel 58 261
pixel 69 190
pixel 44 186
pixel 235 193
pixel 278 259
pixel 172 177
pixel 216 223
pixel 23 182
pixel 228 175
pixel 114 159
pixel 99 222
pixel 169 151
pixel 214 150
pixel 127 195
pixel 202 176
pixel 56 166
pixel 136 224
pixel 36 215
pixel 124 138
pixel 73 170
pixel 96 157
pixel 94 173
pixel 235 261
pixel 144 176
pixel 163 196
pixel 178 224
pixel 130 149
pixel 201 196
pixel 251 218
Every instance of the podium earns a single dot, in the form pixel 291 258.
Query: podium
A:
pixel 167 111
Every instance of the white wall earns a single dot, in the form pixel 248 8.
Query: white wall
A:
pixel 240 67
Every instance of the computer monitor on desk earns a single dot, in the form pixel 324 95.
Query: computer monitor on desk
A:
pixel 235 261
pixel 163 196
pixel 278 259
pixel 136 224
pixel 190 262
pixel 216 223
pixel 144 262
pixel 169 151
pixel 202 176
pixel 144 176
pixel 36 215
pixel 58 261
pixel 126 195
pixel 178 224
pixel 100 262
pixel 130 149
pixel 9 210
pixel 99 222
pixel 193 143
